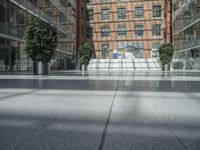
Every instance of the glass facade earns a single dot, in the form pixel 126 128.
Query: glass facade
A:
pixel 186 34
pixel 14 17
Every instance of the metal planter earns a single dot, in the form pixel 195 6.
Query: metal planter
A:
pixel 40 68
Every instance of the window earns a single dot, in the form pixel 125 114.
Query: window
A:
pixel 63 2
pixel 155 47
pixel 105 1
pixel 89 32
pixel 105 50
pixel 63 35
pixel 121 30
pixel 20 17
pixel 122 45
pixel 139 30
pixel 89 1
pixel 156 29
pixel 89 15
pixel 105 14
pixel 139 45
pixel 156 11
pixel 121 13
pixel 105 31
pixel 47 2
pixel 139 12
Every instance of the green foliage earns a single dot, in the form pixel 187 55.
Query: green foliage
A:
pixel 40 40
pixel 85 53
pixel 166 51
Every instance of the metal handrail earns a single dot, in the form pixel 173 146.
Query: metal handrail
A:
pixel 187 45
pixel 182 7
pixel 62 9
pixel 11 30
pixel 186 22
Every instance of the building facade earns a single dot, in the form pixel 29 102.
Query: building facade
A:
pixel 119 26
pixel 81 23
pixel 186 23
pixel 14 17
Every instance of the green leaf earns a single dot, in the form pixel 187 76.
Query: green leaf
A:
pixel 40 40
pixel 166 51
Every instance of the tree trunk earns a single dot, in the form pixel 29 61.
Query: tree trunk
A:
pixel 163 67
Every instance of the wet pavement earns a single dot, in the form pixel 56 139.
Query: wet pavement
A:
pixel 100 111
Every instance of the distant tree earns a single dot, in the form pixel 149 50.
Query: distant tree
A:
pixel 166 52
pixel 85 53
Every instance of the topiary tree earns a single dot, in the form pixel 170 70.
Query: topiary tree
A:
pixel 40 40
pixel 166 52
pixel 85 53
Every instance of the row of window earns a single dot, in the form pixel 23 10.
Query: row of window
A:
pixel 139 30
pixel 121 12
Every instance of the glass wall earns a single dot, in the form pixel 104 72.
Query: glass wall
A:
pixel 14 17
pixel 187 35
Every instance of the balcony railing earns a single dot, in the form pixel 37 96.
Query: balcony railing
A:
pixel 11 31
pixel 187 22
pixel 62 9
pixel 73 2
pixel 188 45
pixel 182 7
pixel 29 7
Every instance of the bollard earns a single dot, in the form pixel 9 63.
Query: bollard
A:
pixel 83 70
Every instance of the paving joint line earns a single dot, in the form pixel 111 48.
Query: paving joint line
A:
pixel 6 98
pixel 108 119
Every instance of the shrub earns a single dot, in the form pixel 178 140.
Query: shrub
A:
pixel 166 51
pixel 85 53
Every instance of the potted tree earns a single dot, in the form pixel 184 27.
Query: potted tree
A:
pixel 85 54
pixel 40 43
pixel 166 52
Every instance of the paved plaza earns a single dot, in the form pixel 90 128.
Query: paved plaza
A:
pixel 100 111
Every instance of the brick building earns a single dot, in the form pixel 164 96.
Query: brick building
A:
pixel 119 24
